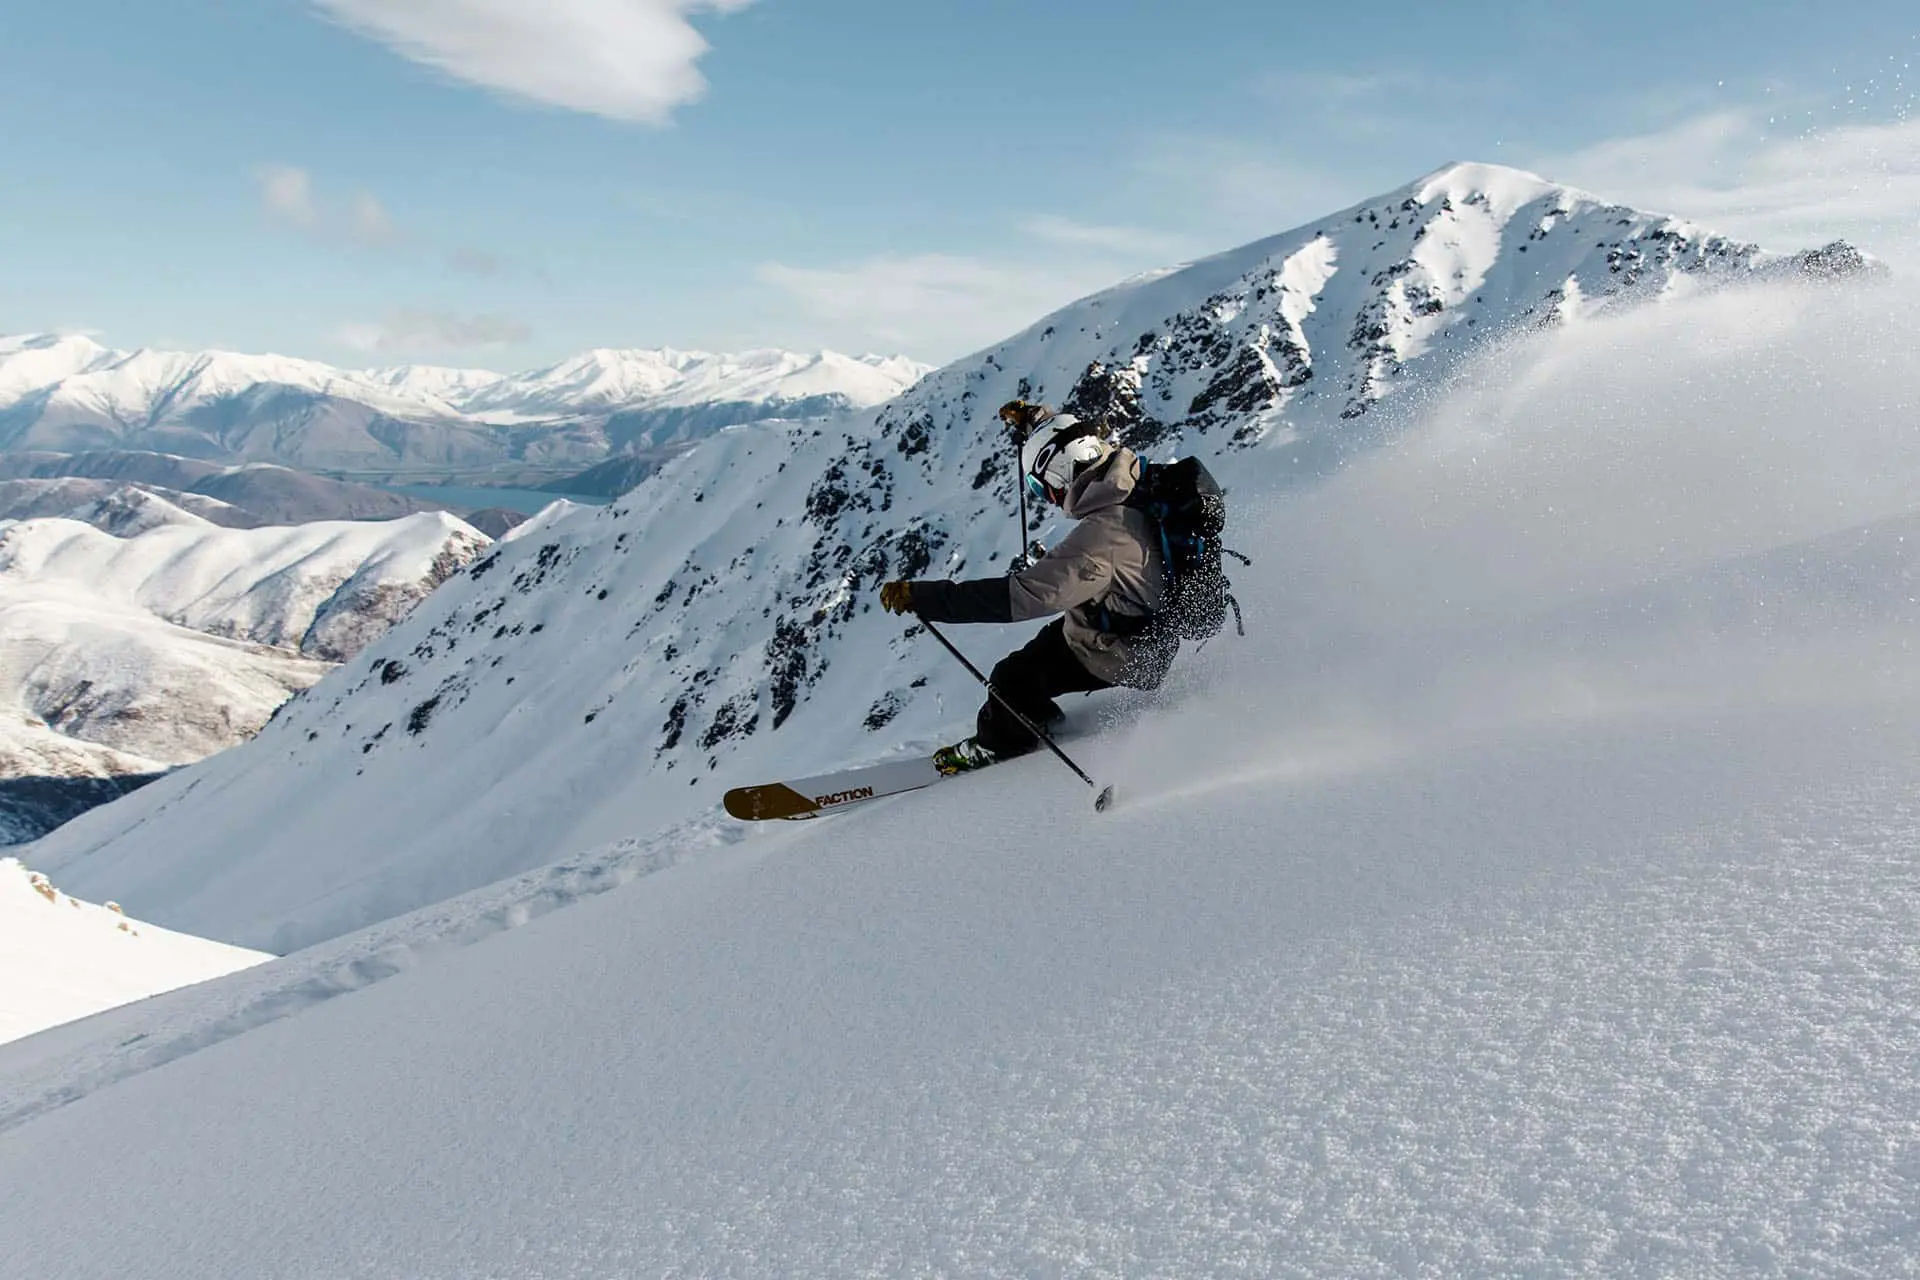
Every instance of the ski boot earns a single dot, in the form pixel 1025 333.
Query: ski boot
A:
pixel 962 757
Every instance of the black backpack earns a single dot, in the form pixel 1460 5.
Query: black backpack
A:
pixel 1189 511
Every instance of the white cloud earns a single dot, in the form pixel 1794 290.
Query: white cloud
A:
pixel 286 191
pixel 1237 191
pixel 623 59
pixel 1125 240
pixel 936 305
pixel 369 223
pixel 412 331
pixel 1730 170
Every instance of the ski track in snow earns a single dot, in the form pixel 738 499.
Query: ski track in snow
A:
pixel 68 1063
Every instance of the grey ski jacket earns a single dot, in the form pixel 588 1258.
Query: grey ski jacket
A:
pixel 1107 577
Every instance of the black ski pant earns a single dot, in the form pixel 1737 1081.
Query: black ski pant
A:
pixel 1031 677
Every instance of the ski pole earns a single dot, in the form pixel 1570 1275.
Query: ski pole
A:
pixel 1103 796
pixel 1020 485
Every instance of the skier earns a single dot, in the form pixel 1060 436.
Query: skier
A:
pixel 1107 578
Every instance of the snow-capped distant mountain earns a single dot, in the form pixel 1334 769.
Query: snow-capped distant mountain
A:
pixel 717 623
pixel 320 590
pixel 94 689
pixel 119 509
pixel 241 496
pixel 64 958
pixel 71 394
pixel 669 379
pixel 133 654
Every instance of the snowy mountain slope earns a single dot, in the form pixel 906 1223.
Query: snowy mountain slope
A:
pixel 90 687
pixel 716 624
pixel 243 496
pixel 119 509
pixel 1288 338
pixel 1428 937
pixel 69 393
pixel 607 479
pixel 129 512
pixel 133 654
pixel 65 959
pixel 32 748
pixel 318 589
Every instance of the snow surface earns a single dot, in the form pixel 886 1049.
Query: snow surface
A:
pixel 65 959
pixel 1534 891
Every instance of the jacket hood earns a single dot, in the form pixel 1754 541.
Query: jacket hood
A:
pixel 1107 485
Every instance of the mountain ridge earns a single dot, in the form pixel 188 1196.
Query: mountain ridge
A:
pixel 70 394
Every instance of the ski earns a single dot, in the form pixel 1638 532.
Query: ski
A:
pixel 811 797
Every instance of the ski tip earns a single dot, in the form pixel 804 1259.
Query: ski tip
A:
pixel 758 804
pixel 1103 801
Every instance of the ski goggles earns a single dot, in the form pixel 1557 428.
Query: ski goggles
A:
pixel 1054 466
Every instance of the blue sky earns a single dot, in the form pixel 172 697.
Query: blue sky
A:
pixel 463 182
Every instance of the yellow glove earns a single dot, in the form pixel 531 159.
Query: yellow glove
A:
pixel 897 597
pixel 1021 417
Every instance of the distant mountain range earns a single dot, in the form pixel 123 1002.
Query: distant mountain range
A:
pixel 718 623
pixel 238 496
pixel 69 394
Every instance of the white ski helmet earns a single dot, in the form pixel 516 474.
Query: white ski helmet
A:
pixel 1059 451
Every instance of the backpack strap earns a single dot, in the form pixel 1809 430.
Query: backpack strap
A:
pixel 1124 625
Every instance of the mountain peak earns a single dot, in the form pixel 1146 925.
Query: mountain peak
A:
pixel 1482 174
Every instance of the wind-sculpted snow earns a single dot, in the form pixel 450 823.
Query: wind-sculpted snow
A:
pixel 716 625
